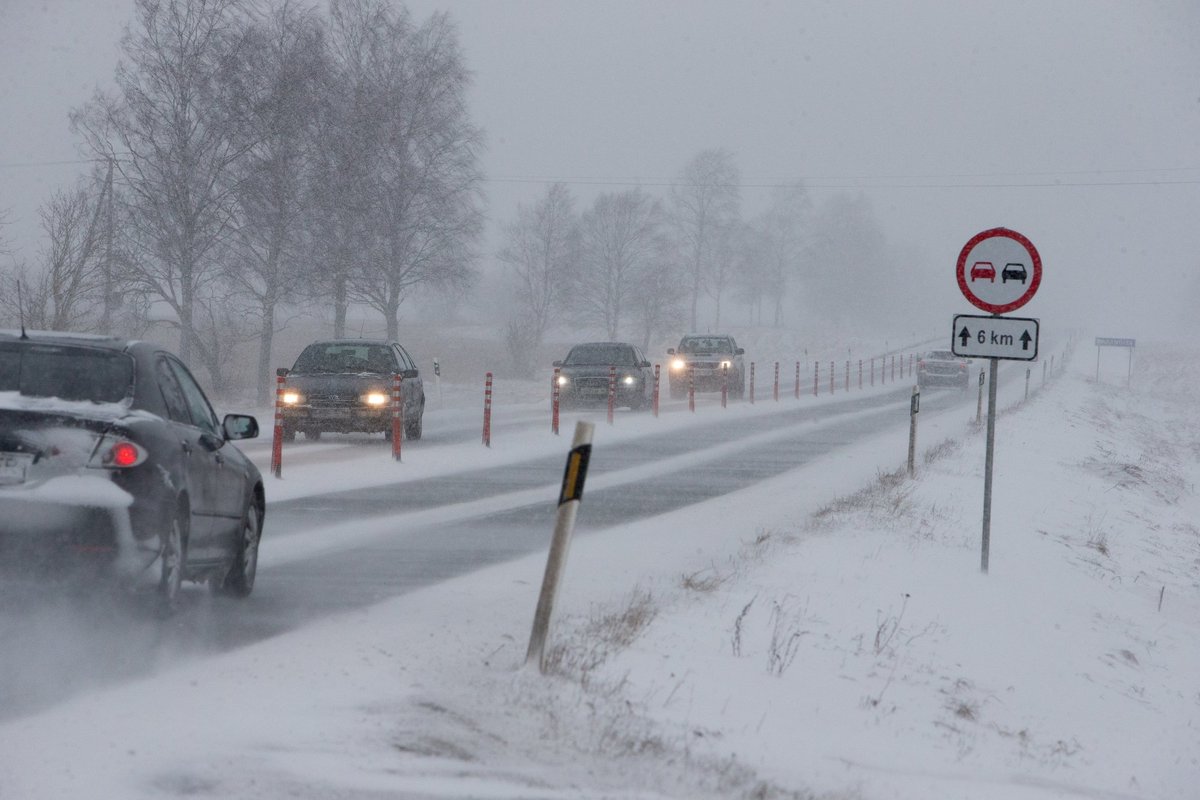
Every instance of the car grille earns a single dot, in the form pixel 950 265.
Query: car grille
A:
pixel 592 383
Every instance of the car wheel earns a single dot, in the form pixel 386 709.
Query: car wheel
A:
pixel 412 428
pixel 239 581
pixel 173 559
pixel 312 435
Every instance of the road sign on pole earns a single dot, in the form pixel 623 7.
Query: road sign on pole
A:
pixel 999 270
pixel 1011 338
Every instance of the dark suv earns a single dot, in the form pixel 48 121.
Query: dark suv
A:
pixel 583 375
pixel 709 358
pixel 345 385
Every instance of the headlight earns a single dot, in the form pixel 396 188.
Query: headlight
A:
pixel 726 364
pixel 678 363
pixel 628 380
pixel 562 380
pixel 376 398
pixel 291 398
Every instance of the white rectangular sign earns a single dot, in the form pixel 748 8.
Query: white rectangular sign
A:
pixel 1012 338
pixel 1105 342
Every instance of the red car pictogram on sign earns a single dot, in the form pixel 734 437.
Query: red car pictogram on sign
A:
pixel 983 269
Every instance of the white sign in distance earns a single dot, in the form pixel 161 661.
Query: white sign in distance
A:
pixel 999 270
pixel 1011 338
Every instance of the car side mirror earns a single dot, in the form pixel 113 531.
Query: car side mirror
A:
pixel 239 426
pixel 556 364
pixel 741 351
pixel 282 372
pixel 645 364
pixel 411 373
pixel 670 351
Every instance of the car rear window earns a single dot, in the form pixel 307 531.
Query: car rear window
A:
pixel 600 355
pixel 345 357
pixel 940 355
pixel 69 373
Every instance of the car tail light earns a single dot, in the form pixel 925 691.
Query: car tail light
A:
pixel 116 453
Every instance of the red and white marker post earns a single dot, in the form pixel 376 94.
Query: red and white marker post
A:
pixel 832 380
pixel 724 385
pixel 487 410
pixel 277 438
pixel 816 378
pixel 612 392
pixel 397 414
pixel 692 388
pixel 554 401
pixel 751 383
pixel 847 376
pixel 797 380
pixel 860 374
pixel 776 392
pixel 657 385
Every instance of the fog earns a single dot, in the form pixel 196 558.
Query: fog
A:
pixel 1075 123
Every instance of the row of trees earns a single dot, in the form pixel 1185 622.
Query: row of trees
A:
pixel 636 266
pixel 255 156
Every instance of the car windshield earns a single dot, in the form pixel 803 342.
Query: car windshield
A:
pixel 345 357
pixel 940 355
pixel 600 355
pixel 702 344
pixel 68 373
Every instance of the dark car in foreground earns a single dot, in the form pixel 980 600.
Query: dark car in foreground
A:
pixel 942 368
pixel 345 386
pixel 583 375
pixel 709 360
pixel 114 465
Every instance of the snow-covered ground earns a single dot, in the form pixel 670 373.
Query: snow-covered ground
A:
pixel 826 634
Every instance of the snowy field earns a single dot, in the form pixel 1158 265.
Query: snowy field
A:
pixel 827 634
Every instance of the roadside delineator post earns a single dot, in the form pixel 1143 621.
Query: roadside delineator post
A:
pixel 776 391
pixel 487 411
pixel 847 376
pixel 860 375
pixel 893 367
pixel 724 385
pixel 832 381
pixel 1027 371
pixel 397 414
pixel 612 391
pixel 568 506
pixel 816 378
pixel 913 408
pixel 277 437
pixel 554 401
pixel 692 388
pixel 657 371
pixel 751 383
pixel 979 405
pixel 1044 373
pixel 797 380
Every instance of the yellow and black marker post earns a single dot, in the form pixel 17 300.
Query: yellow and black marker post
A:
pixel 568 505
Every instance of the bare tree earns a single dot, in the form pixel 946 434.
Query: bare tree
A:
pixel 167 135
pixel 70 282
pixel 621 245
pixel 849 274
pixel 270 90
pixel 426 177
pixel 540 251
pixel 706 200
pixel 780 248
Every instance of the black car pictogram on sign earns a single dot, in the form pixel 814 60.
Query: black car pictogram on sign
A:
pixel 1014 271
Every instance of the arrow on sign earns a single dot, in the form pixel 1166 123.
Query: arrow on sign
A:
pixel 964 334
pixel 1025 340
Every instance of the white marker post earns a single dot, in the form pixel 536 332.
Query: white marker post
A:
pixel 568 506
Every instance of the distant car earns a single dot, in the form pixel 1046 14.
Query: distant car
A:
pixel 982 270
pixel 711 360
pixel 345 386
pixel 1014 272
pixel 113 464
pixel 584 374
pixel 943 368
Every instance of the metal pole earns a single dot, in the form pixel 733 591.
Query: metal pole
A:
pixel 568 507
pixel 987 467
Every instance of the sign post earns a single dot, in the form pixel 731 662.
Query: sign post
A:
pixel 998 271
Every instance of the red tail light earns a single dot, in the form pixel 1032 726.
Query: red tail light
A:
pixel 114 453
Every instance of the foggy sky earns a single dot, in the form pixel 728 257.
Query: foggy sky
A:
pixel 1075 123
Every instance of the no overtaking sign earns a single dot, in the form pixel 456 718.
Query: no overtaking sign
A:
pixel 999 270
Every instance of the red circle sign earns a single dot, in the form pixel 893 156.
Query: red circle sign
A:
pixel 999 270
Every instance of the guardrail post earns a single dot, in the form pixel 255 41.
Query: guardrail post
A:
pixel 397 414
pixel 568 506
pixel 487 410
pixel 554 401
pixel 277 437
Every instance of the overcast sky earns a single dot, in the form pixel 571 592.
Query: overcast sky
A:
pixel 1075 123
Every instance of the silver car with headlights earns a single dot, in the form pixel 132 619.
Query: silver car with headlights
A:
pixel 345 386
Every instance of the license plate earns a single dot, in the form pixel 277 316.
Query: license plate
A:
pixel 331 413
pixel 14 467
